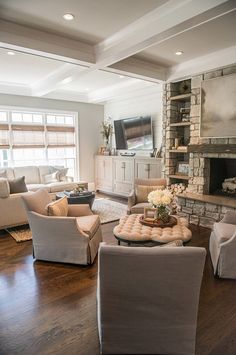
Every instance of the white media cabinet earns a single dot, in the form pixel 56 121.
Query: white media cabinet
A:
pixel 115 174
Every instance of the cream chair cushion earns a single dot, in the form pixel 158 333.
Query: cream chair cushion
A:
pixel 224 231
pixel 88 224
pixel 58 208
pixel 142 192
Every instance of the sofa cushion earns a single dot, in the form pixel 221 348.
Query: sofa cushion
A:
pixel 142 191
pixel 58 208
pixel 224 231
pixel 44 170
pixel 17 185
pixel 61 185
pixel 35 187
pixel 61 174
pixel 31 174
pixel 50 178
pixel 4 188
pixel 139 207
pixel 10 173
pixel 88 224
pixel 3 174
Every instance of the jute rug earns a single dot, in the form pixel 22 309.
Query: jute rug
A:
pixel 109 211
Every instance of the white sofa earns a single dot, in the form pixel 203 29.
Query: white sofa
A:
pixel 12 210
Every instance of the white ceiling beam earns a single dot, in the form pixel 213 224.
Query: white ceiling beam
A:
pixel 218 59
pixel 159 25
pixel 55 79
pixel 140 69
pixel 18 37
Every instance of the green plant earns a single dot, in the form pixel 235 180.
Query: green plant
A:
pixel 107 130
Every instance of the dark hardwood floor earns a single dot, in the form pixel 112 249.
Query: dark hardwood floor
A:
pixel 50 308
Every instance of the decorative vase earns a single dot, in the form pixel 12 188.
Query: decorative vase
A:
pixel 162 214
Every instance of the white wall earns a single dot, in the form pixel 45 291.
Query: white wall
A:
pixel 90 118
pixel 142 102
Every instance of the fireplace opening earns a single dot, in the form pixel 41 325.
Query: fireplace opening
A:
pixel 223 177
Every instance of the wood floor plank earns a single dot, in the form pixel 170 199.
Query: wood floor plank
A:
pixel 50 308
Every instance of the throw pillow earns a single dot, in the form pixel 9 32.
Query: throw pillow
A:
pixel 49 178
pixel 58 208
pixel 17 185
pixel 4 188
pixel 142 192
pixel 61 174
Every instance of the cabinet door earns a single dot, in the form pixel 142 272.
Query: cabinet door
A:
pixel 123 176
pixel 148 169
pixel 104 173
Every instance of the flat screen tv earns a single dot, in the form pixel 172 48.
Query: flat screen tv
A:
pixel 134 133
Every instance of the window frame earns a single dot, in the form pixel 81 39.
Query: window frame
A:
pixel 44 112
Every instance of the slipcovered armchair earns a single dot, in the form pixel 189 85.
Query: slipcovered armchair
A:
pixel 223 246
pixel 148 299
pixel 137 200
pixel 72 239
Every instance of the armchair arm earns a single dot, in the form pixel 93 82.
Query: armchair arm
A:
pixel 131 200
pixel 79 210
pixel 230 217
pixel 54 227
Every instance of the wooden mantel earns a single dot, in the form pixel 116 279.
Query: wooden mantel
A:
pixel 212 148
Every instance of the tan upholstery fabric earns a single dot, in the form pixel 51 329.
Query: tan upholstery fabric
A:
pixel 35 187
pixel 132 199
pixel 142 191
pixel 4 188
pixel 224 231
pixel 61 185
pixel 12 211
pixel 88 224
pixel 31 174
pixel 130 229
pixel 37 201
pixel 222 246
pixel 3 174
pixel 60 239
pixel 148 299
pixel 58 208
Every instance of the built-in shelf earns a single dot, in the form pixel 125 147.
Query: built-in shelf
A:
pixel 180 97
pixel 180 177
pixel 180 124
pixel 177 151
pixel 212 148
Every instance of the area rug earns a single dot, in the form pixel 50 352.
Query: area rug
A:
pixel 109 211
pixel 20 234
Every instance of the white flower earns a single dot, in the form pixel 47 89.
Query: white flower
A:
pixel 160 197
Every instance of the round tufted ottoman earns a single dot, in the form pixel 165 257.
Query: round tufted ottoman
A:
pixel 130 230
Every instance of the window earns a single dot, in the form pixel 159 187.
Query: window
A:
pixel 37 138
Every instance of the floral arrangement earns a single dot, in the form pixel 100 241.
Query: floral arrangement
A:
pixel 107 130
pixel 160 197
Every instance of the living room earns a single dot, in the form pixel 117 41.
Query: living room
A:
pixel 117 156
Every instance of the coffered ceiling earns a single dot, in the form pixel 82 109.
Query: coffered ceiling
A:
pixel 110 45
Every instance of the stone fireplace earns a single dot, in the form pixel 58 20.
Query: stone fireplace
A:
pixel 211 160
pixel 222 175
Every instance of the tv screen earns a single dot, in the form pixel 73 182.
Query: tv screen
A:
pixel 134 133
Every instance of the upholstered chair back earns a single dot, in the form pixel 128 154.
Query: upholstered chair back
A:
pixel 148 299
pixel 37 201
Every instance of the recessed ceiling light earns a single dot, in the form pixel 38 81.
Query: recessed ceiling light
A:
pixel 86 89
pixel 179 52
pixel 67 80
pixel 121 76
pixel 11 53
pixel 68 17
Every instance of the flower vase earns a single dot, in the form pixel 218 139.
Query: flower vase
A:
pixel 163 214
